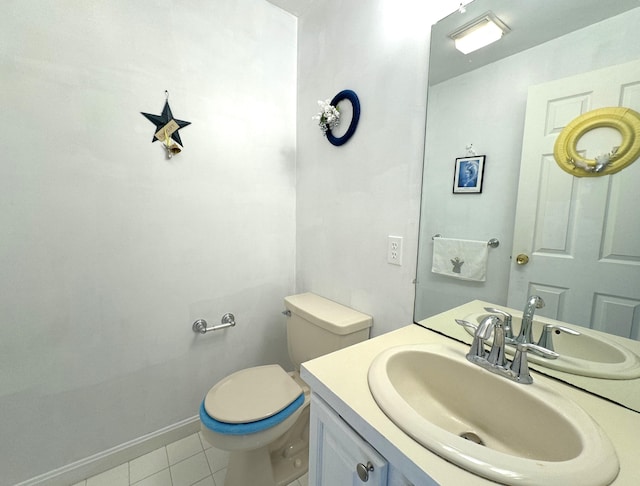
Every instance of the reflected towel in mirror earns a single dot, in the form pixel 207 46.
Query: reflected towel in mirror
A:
pixel 463 259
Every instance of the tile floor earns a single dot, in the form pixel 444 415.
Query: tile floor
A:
pixel 188 462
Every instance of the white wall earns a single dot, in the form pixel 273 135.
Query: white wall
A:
pixel 109 251
pixel 464 110
pixel 350 198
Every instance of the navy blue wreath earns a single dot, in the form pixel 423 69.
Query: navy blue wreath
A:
pixel 346 94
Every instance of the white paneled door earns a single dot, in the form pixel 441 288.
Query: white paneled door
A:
pixel 581 235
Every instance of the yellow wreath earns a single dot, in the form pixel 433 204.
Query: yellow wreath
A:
pixel 625 120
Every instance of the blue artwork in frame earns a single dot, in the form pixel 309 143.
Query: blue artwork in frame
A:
pixel 468 175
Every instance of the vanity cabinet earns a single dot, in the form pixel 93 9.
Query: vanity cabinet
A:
pixel 338 455
pixel 348 427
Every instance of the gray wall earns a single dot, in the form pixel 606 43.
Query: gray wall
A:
pixel 351 198
pixel 109 250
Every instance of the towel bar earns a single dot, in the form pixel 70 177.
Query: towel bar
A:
pixel 493 242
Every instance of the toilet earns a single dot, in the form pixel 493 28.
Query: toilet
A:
pixel 261 414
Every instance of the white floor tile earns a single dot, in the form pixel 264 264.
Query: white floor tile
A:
pixel 217 459
pixel 182 463
pixel 205 444
pixel 219 476
pixel 162 478
pixel 184 448
pixel 206 482
pixel 190 471
pixel 118 476
pixel 148 464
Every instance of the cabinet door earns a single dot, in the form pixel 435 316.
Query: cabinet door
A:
pixel 336 450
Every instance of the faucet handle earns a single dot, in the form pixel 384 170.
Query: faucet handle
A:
pixel 477 346
pixel 546 338
pixel 508 328
pixel 481 334
pixel 497 356
pixel 469 325
pixel 520 364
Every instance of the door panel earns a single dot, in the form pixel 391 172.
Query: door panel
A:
pixel 582 235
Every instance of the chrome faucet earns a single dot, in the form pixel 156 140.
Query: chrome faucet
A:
pixel 526 336
pixel 481 334
pixel 497 356
pixel 495 361
pixel 526 328
pixel 546 340
pixel 508 318
pixel 477 354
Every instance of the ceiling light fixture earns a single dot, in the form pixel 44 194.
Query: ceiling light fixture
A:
pixel 479 33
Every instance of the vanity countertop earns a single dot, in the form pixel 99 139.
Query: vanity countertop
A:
pixel 340 378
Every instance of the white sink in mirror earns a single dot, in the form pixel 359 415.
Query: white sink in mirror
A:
pixel 588 354
pixel 507 432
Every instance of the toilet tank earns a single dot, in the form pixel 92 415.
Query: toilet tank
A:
pixel 318 326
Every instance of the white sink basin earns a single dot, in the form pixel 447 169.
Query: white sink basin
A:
pixel 589 354
pixel 530 434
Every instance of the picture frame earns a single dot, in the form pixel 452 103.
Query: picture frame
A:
pixel 468 175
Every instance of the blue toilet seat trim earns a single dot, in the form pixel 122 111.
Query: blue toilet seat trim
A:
pixel 249 427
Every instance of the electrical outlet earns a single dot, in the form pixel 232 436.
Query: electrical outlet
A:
pixel 394 250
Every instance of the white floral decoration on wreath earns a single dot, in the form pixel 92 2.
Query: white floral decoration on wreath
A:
pixel 328 118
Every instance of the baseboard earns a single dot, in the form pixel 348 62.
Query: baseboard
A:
pixel 103 461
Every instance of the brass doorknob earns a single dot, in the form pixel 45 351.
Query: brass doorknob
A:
pixel 522 259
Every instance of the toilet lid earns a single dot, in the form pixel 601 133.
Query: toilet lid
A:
pixel 251 394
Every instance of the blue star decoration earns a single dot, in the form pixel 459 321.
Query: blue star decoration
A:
pixel 166 121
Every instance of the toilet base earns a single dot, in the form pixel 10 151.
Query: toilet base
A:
pixel 277 464
pixel 250 467
pixel 290 455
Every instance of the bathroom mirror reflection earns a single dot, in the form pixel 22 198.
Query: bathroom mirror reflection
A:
pixel 480 99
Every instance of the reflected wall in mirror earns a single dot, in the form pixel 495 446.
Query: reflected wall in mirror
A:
pixel 481 99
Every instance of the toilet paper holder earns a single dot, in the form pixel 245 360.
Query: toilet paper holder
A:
pixel 200 326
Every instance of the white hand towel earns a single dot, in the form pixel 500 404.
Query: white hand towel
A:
pixel 463 259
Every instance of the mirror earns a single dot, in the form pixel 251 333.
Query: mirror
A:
pixel 479 100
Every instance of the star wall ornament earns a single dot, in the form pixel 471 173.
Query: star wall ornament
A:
pixel 167 128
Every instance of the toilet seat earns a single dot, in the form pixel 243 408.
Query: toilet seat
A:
pixel 251 394
pixel 251 400
pixel 250 427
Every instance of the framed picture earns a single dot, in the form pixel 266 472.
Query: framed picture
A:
pixel 468 175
